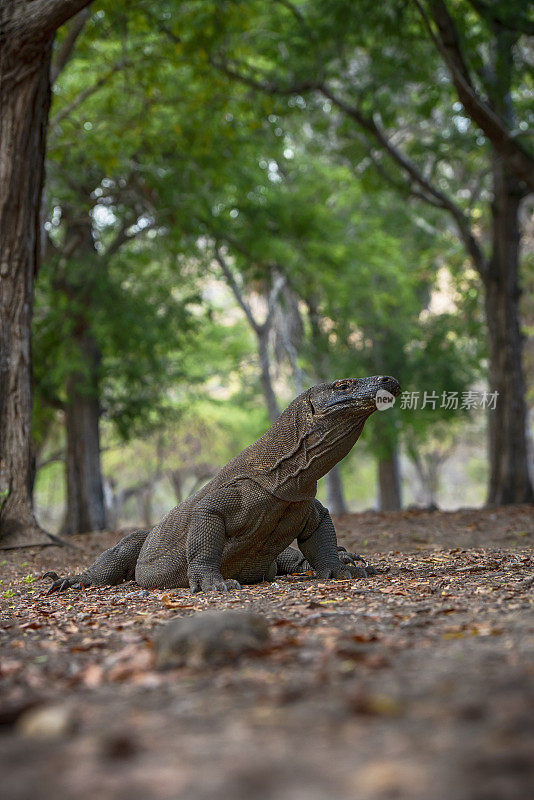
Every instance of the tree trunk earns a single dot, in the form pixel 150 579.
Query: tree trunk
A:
pixel 510 481
pixel 111 504
pixel 266 383
pixel 334 486
pixel 26 35
pixel 389 485
pixel 85 491
pixel 175 478
pixel 145 505
pixel 334 492
pixel 428 468
pixel 24 100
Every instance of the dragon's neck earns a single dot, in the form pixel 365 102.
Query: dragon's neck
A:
pixel 296 451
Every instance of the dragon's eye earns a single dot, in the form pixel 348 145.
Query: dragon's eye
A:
pixel 343 384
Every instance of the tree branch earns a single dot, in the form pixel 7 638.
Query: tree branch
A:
pixel 296 12
pixel 229 240
pixel 70 247
pixel 237 291
pixel 514 22
pixel 430 193
pixel 154 19
pixel 404 187
pixel 447 42
pixel 263 85
pixel 435 196
pixel 58 455
pixel 123 236
pixel 82 96
pixel 67 45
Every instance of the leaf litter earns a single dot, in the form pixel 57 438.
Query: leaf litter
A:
pixel 418 682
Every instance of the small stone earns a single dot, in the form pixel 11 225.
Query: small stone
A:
pixel 141 594
pixel 210 637
pixel 49 722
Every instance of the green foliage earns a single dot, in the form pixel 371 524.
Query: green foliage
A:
pixel 168 158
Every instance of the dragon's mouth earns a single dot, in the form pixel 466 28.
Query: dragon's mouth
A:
pixel 362 405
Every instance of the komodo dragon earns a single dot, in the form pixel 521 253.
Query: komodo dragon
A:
pixel 237 528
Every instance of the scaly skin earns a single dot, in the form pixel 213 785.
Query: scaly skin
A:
pixel 238 527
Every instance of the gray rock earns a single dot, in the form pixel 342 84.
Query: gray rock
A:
pixel 210 637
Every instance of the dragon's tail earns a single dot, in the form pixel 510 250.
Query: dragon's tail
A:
pixel 113 566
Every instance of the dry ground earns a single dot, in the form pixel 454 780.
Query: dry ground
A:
pixel 416 684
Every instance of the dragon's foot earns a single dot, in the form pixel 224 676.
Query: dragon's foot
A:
pixel 212 583
pixel 350 559
pixel 60 584
pixel 341 572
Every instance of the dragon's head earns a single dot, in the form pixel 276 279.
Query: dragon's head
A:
pixel 351 398
pixel 314 432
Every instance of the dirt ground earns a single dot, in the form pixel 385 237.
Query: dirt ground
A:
pixel 415 684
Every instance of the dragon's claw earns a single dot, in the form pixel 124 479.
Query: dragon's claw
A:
pixel 55 586
pixel 212 583
pixel 61 584
pixel 350 559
